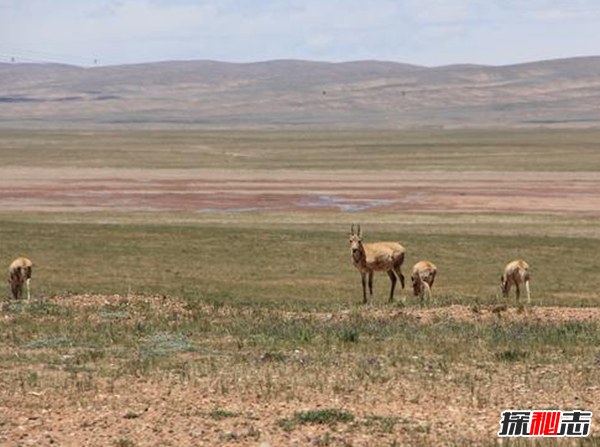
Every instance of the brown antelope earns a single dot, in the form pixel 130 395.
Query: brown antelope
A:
pixel 19 273
pixel 423 276
pixel 376 257
pixel 516 273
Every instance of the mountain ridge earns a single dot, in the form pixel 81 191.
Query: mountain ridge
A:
pixel 300 93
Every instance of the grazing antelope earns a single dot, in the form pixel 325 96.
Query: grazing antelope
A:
pixel 19 273
pixel 516 273
pixel 423 276
pixel 376 256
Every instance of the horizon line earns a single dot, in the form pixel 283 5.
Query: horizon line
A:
pixel 288 60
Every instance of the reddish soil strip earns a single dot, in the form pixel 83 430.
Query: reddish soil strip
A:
pixel 215 191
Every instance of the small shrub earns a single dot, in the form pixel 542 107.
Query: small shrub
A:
pixel 324 441
pixel 272 357
pixel 114 315
pixel 382 424
pixel 131 415
pixel 42 343
pixel 46 308
pixel 222 414
pixel 124 442
pixel 328 416
pixel 286 424
pixel 231 436
pixel 349 335
pixel 512 355
pixel 165 344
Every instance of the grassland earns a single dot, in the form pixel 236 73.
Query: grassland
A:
pixel 242 328
pixel 291 266
pixel 365 151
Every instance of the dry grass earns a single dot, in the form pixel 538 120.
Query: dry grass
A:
pixel 294 266
pixel 242 328
pixel 537 150
pixel 225 374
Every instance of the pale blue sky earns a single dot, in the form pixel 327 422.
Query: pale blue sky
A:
pixel 426 32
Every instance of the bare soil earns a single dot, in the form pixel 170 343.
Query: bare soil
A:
pixel 168 410
pixel 85 189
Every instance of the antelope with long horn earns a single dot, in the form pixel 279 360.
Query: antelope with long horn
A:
pixel 19 273
pixel 376 257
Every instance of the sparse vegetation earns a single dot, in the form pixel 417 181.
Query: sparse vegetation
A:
pixel 512 355
pixel 239 342
pixel 330 416
pixel 124 442
pixel 222 414
pixel 499 150
pixel 273 337
pixel 112 248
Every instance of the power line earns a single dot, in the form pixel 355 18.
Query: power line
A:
pixel 47 53
pixel 19 54
pixel 43 54
pixel 17 58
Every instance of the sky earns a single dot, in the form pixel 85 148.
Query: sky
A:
pixel 422 32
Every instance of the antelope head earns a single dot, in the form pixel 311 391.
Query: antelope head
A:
pixel 355 241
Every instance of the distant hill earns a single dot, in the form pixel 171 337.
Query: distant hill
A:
pixel 290 93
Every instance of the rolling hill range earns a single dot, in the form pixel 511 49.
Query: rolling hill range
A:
pixel 290 93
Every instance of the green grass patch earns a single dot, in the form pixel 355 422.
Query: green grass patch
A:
pixel 113 315
pixel 265 274
pixel 219 414
pixel 547 150
pixel 512 355
pixel 348 335
pixel 47 343
pixel 166 344
pixel 382 424
pixel 124 442
pixel 330 416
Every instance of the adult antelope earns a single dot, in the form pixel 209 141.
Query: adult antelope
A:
pixel 376 257
pixel 19 273
pixel 516 273
pixel 423 276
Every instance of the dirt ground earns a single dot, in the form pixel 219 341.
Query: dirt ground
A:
pixel 161 413
pixel 84 189
pixel 433 405
pixel 166 410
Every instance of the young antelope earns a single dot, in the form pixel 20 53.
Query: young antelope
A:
pixel 19 273
pixel 423 276
pixel 516 273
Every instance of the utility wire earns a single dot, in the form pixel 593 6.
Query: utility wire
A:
pixel 12 54
pixel 43 54
pixel 17 59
